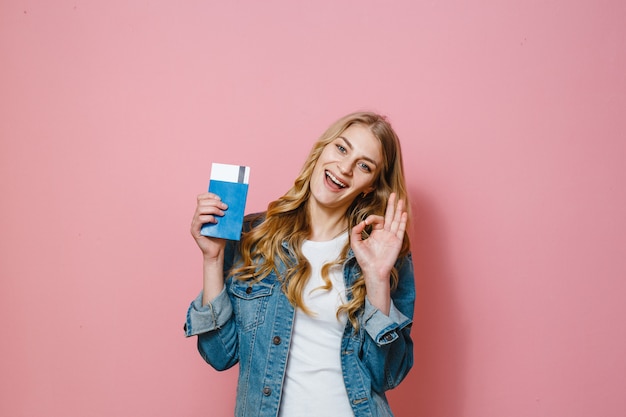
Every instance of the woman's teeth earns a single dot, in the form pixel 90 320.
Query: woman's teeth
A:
pixel 335 180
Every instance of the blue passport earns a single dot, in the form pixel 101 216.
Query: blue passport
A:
pixel 230 183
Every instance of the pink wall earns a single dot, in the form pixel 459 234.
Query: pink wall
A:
pixel 512 121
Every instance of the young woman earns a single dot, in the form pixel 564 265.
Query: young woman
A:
pixel 315 302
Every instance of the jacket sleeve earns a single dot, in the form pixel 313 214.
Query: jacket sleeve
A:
pixel 387 350
pixel 214 323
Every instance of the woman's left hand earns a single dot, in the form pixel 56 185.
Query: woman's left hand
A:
pixel 378 253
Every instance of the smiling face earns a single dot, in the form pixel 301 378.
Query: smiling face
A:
pixel 348 166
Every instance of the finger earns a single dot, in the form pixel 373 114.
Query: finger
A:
pixel 207 211
pixel 377 222
pixel 397 217
pixel 199 220
pixel 402 227
pixel 195 228
pixel 207 218
pixel 389 211
pixel 208 203
pixel 208 196
pixel 355 233
pixel 210 213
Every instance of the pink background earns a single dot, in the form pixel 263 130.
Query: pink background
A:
pixel 512 117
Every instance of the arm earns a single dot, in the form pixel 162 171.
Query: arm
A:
pixel 210 315
pixel 387 350
pixel 209 207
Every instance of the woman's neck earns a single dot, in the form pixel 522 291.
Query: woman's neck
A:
pixel 326 224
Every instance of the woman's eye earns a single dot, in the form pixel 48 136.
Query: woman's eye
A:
pixel 341 149
pixel 365 167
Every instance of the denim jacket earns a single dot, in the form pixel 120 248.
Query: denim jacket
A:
pixel 252 324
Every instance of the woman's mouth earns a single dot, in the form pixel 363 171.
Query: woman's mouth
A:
pixel 335 180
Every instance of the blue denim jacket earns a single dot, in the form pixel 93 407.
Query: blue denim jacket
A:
pixel 251 325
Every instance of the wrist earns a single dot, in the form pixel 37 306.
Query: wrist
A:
pixel 213 260
pixel 381 300
pixel 377 277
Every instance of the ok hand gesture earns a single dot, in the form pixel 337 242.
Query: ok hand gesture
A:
pixel 378 253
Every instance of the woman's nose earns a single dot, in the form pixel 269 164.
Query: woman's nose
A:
pixel 345 167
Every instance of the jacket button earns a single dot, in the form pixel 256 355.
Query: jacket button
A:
pixel 267 391
pixel 276 340
pixel 248 290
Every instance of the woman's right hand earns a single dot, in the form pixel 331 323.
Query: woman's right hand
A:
pixel 208 208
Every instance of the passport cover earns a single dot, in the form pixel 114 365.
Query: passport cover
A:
pixel 230 183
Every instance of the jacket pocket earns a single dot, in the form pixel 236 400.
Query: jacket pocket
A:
pixel 250 302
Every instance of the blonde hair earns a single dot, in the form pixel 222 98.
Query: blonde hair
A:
pixel 262 247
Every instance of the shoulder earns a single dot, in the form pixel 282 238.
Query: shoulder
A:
pixel 405 261
pixel 250 221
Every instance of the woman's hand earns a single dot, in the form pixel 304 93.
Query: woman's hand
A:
pixel 209 207
pixel 378 253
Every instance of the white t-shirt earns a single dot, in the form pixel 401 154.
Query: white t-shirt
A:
pixel 313 385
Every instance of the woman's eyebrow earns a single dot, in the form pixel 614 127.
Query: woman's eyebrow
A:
pixel 347 142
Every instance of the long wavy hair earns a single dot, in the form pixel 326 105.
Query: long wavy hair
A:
pixel 287 219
